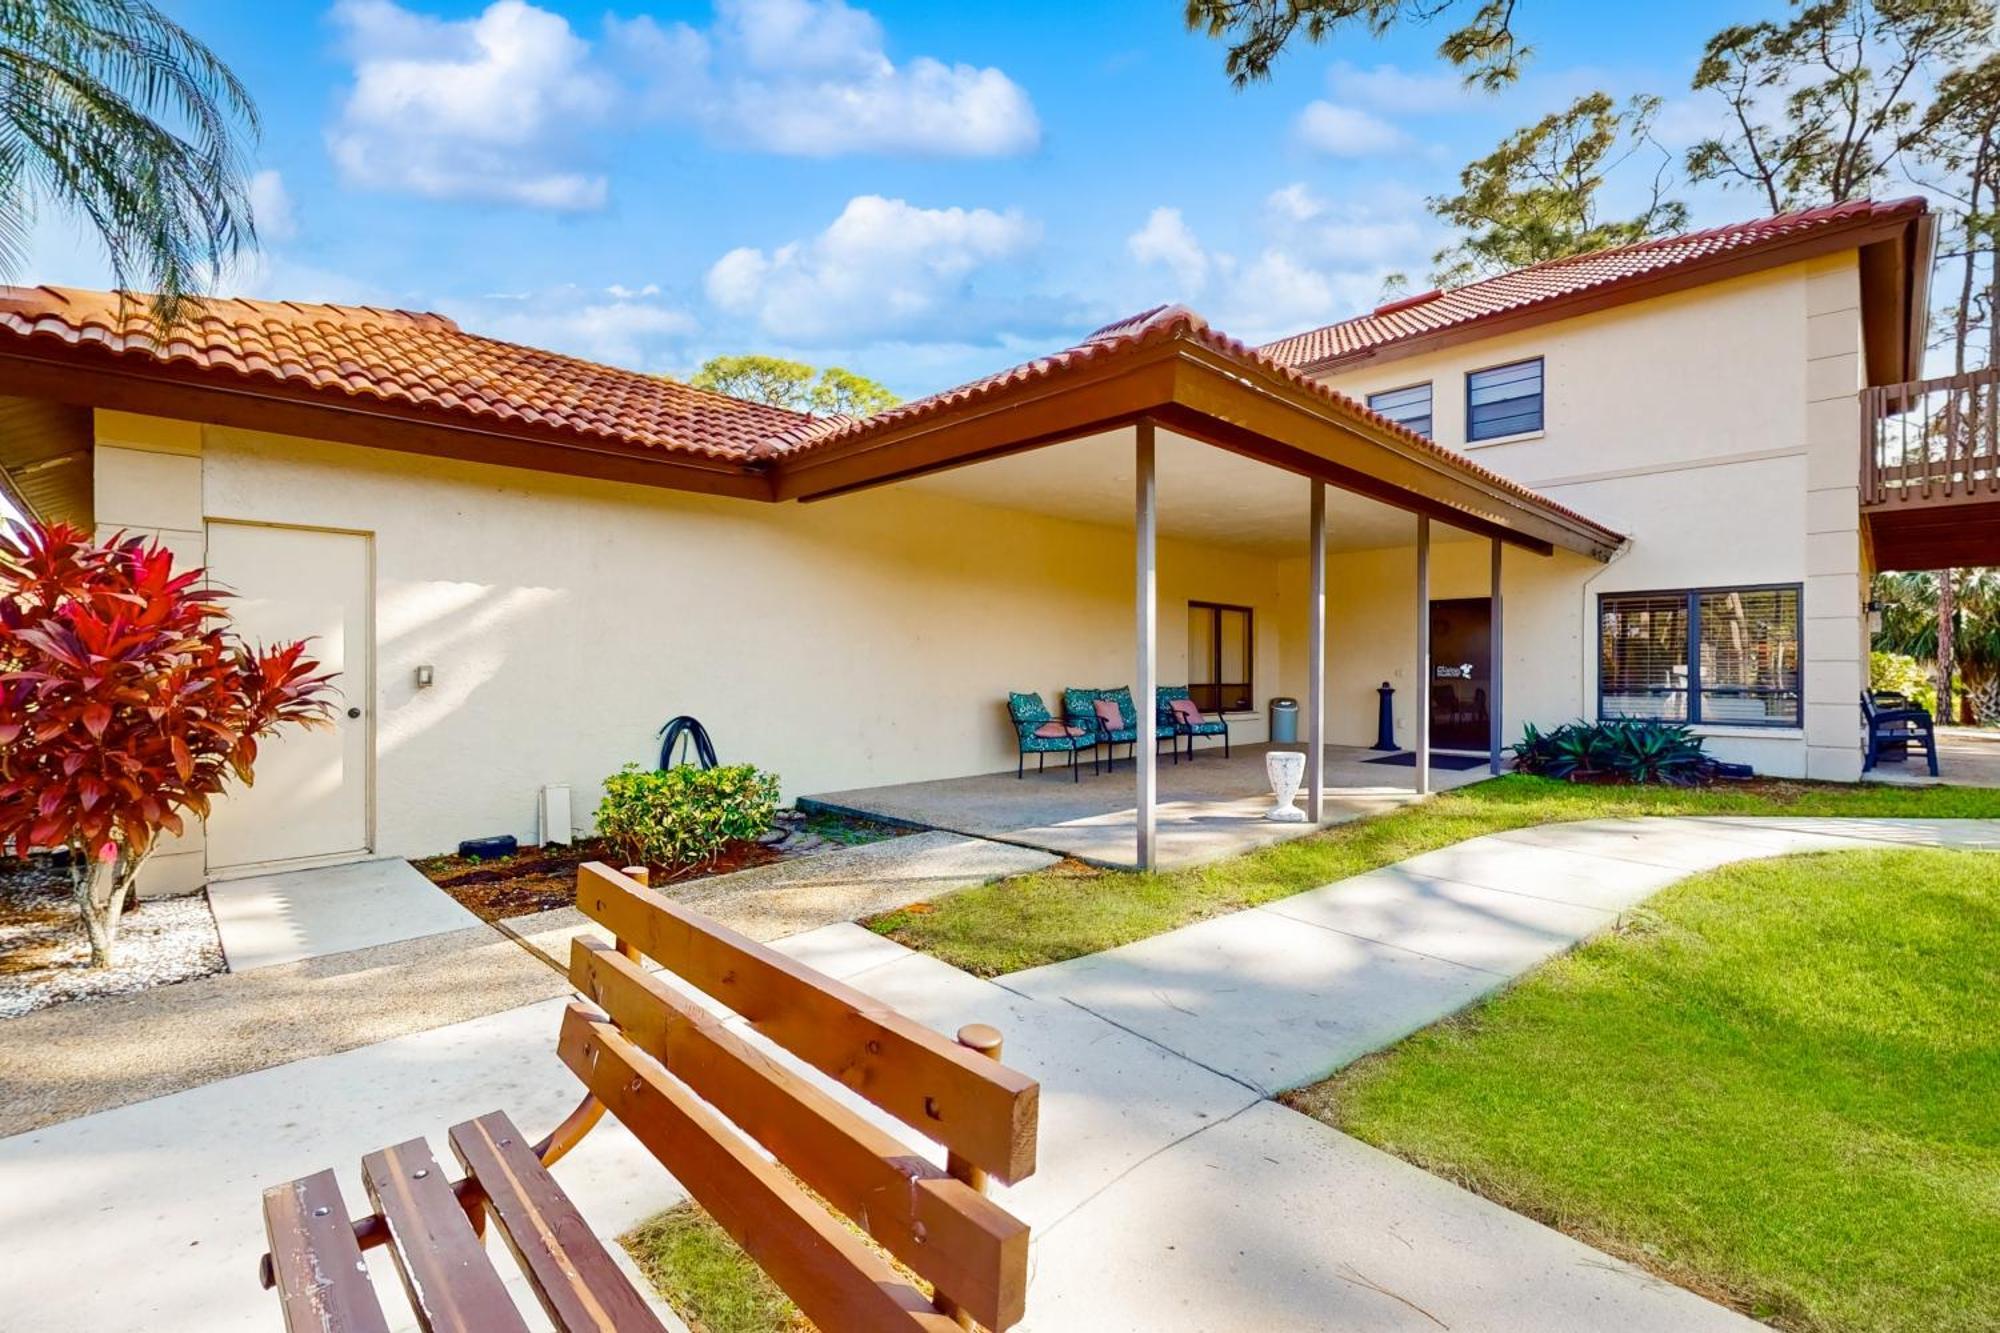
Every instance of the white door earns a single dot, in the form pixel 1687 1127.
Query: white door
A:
pixel 310 799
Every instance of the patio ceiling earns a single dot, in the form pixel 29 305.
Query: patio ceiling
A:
pixel 1205 495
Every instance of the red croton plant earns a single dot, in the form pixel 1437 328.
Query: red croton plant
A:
pixel 126 704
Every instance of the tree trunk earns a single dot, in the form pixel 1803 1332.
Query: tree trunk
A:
pixel 93 885
pixel 1947 653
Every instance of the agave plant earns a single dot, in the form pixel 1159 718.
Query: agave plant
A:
pixel 1636 750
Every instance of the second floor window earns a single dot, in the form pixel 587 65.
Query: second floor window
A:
pixel 1503 400
pixel 1410 407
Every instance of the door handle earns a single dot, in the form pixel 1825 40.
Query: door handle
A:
pixel 354 712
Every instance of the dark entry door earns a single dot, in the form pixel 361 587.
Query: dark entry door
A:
pixel 1461 673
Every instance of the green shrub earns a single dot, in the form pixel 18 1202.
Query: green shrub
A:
pixel 1906 676
pixel 685 815
pixel 1636 750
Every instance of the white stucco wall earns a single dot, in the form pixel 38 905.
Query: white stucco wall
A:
pixel 868 639
pixel 1686 423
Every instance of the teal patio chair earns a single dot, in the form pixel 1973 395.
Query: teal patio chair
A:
pixel 1177 710
pixel 1039 734
pixel 1080 710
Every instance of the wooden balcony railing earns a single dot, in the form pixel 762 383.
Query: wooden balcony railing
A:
pixel 1931 441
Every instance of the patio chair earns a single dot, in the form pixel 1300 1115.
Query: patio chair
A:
pixel 1895 723
pixel 1177 710
pixel 1080 709
pixel 1039 734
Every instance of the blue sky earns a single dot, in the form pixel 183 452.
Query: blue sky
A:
pixel 921 192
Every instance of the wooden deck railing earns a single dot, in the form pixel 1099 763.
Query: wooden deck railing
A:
pixel 1931 441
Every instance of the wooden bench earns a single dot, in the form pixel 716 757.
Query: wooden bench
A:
pixel 765 1150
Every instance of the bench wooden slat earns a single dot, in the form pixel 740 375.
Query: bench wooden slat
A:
pixel 836 1280
pixel 577 1280
pixel 452 1287
pixel 964 1243
pixel 977 1107
pixel 322 1283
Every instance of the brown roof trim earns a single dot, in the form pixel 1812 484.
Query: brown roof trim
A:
pixel 1173 370
pixel 94 376
pixel 1883 224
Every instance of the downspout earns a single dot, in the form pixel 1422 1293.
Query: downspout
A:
pixel 1587 641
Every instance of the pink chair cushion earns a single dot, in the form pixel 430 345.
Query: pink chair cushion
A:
pixel 1185 710
pixel 1057 731
pixel 1107 712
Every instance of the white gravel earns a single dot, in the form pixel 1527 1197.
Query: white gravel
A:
pixel 165 941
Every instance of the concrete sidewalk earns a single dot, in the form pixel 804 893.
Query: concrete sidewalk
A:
pixel 1282 995
pixel 266 920
pixel 1170 1194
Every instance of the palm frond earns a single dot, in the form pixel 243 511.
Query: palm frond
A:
pixel 114 112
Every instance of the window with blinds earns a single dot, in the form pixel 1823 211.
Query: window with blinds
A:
pixel 1503 400
pixel 1219 639
pixel 1727 656
pixel 1409 407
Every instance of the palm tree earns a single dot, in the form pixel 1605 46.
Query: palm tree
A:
pixel 112 111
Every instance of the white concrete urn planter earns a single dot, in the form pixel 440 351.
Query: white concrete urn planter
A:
pixel 1286 769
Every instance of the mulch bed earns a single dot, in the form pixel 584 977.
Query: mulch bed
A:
pixel 539 879
pixel 45 956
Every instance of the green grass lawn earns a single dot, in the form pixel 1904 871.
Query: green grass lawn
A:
pixel 1779 1085
pixel 1072 910
pixel 706 1277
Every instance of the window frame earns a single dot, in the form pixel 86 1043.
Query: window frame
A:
pixel 1692 598
pixel 1541 400
pixel 1368 401
pixel 1215 656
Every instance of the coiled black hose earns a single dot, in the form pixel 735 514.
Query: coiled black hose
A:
pixel 685 731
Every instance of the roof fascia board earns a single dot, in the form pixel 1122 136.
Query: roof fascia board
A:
pixel 1718 268
pixel 92 377
pixel 1303 434
pixel 1081 401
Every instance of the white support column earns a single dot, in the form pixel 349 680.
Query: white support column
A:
pixel 1497 639
pixel 1316 661
pixel 1420 703
pixel 1145 702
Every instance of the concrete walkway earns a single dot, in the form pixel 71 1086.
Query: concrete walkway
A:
pixel 286 918
pixel 1282 995
pixel 1170 1194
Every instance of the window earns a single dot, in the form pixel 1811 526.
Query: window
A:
pixel 1503 400
pixel 1219 657
pixel 1409 407
pixel 1728 656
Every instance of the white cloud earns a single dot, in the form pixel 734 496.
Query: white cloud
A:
pixel 271 205
pixel 811 78
pixel 1313 261
pixel 619 325
pixel 882 266
pixel 488 107
pixel 1167 240
pixel 1345 131
pixel 1396 91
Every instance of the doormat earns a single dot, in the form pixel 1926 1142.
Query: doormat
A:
pixel 1456 763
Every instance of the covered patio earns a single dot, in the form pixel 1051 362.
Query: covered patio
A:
pixel 1201 445
pixel 1210 808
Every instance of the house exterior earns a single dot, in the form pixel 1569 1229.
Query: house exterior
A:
pixel 524 564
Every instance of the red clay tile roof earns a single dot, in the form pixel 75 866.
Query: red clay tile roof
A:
pixel 1509 293
pixel 419 360
pixel 1128 335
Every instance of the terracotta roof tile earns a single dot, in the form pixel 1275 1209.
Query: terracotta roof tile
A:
pixel 1431 312
pixel 420 360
